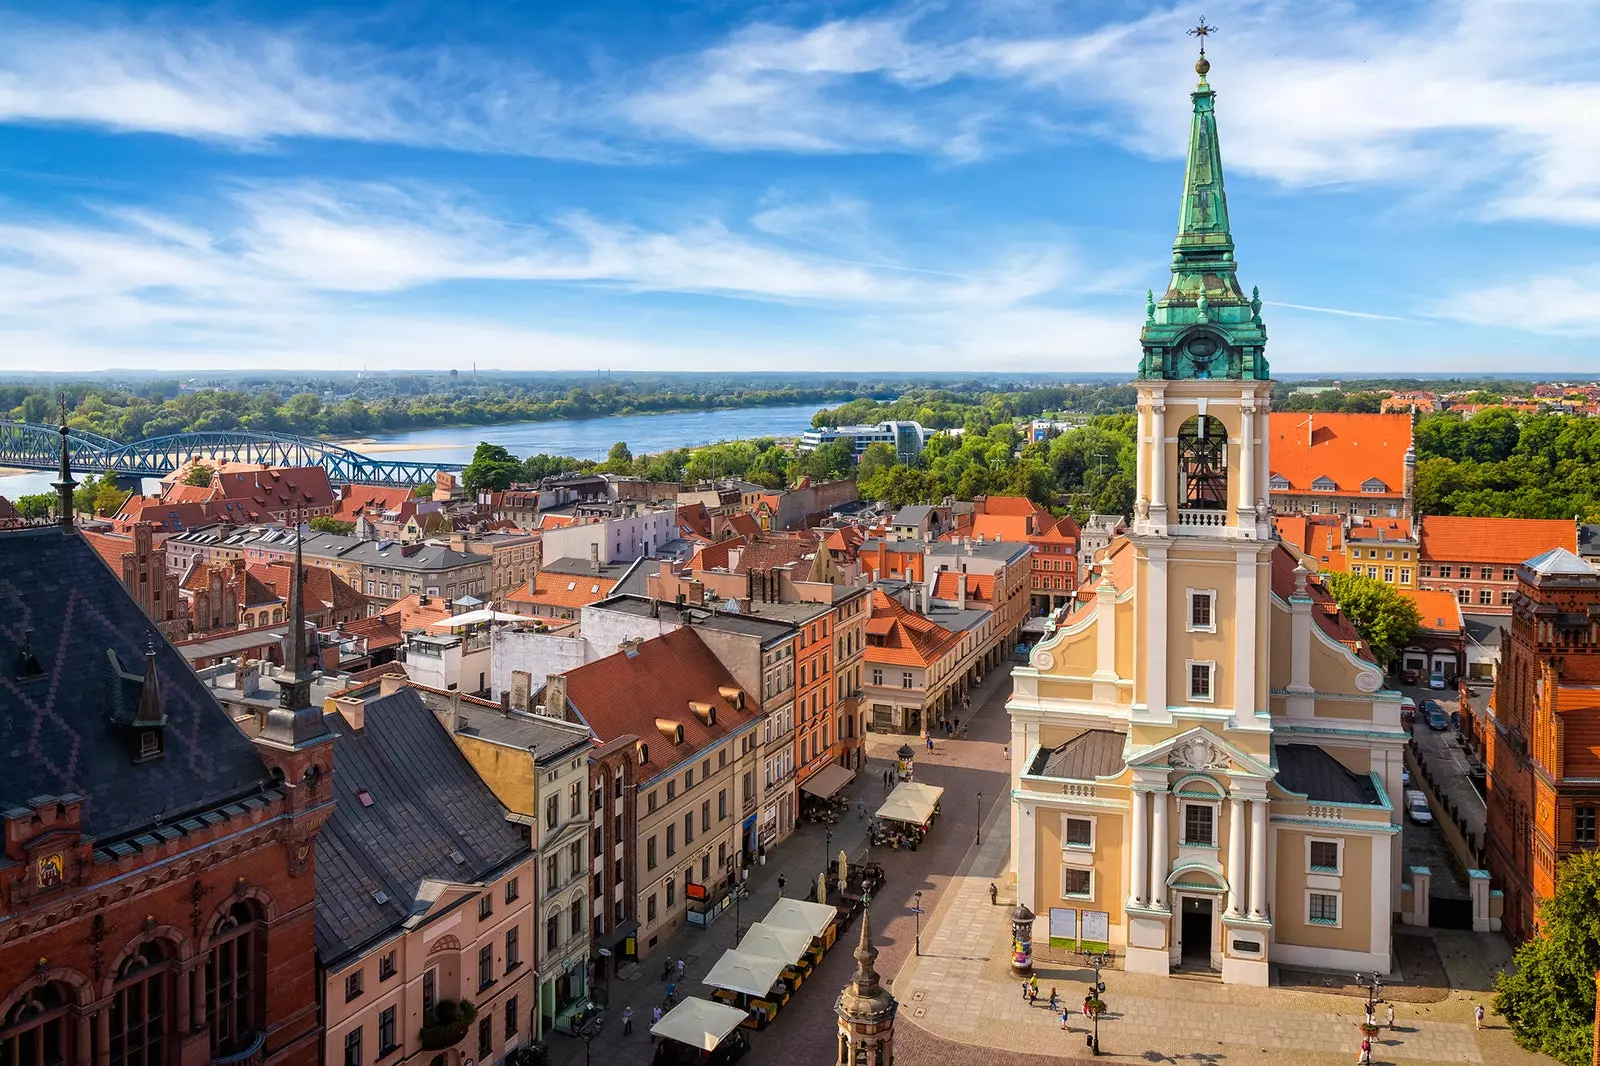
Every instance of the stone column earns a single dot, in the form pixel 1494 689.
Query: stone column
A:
pixel 1158 849
pixel 1258 858
pixel 1236 870
pixel 1158 461
pixel 1247 465
pixel 182 987
pixel 102 1027
pixel 1139 868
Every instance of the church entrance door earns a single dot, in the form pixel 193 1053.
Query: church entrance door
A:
pixel 1195 932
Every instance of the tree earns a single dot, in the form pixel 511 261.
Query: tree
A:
pixel 1548 999
pixel 1386 619
pixel 620 454
pixel 108 498
pixel 37 505
pixel 324 524
pixel 878 457
pixel 423 491
pixel 492 467
pixel 199 475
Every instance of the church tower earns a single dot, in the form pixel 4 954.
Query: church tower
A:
pixel 1203 755
pixel 866 1010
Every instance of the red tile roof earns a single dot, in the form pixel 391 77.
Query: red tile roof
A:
pixel 1324 610
pixel 414 614
pixel 551 589
pixel 109 547
pixel 1348 449
pixel 320 586
pixel 715 556
pixel 1011 505
pixel 907 638
pixel 999 527
pixel 277 488
pixel 1501 541
pixel 380 631
pixel 167 516
pixel 1381 528
pixel 622 694
pixel 1438 609
pixel 358 498
pixel 980 588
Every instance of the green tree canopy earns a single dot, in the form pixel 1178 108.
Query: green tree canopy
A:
pixel 199 475
pixel 108 498
pixel 325 524
pixel 36 505
pixel 1548 999
pixel 492 467
pixel 1386 619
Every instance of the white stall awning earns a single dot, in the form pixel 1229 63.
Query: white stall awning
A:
pixel 911 802
pixel 753 975
pixel 699 1023
pixel 810 918
pixel 827 781
pixel 776 942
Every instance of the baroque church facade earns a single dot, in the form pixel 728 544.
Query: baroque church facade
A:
pixel 1206 767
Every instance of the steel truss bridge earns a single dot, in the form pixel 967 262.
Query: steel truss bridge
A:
pixel 35 447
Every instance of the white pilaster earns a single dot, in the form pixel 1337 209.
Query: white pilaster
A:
pixel 1247 465
pixel 1139 866
pixel 1258 858
pixel 1236 870
pixel 1158 463
pixel 1155 652
pixel 1158 849
pixel 1245 652
pixel 1300 703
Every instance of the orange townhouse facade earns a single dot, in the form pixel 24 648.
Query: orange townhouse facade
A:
pixel 1476 559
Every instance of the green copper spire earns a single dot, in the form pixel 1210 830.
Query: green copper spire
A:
pixel 1204 326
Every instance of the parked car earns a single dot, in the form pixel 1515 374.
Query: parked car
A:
pixel 1408 711
pixel 1436 681
pixel 1417 808
pixel 1437 720
pixel 1429 706
pixel 1408 677
pixel 1405 777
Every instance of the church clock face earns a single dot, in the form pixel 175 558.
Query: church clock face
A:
pixel 1201 351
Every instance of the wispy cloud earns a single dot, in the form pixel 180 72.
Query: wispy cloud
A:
pixel 1340 311
pixel 1555 304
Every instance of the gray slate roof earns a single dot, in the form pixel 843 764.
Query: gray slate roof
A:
pixel 550 738
pixel 1092 754
pixel 427 803
pixel 1307 769
pixel 56 735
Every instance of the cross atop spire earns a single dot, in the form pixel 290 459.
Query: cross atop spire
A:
pixel 64 484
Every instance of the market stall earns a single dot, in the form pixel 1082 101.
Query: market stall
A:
pixel 752 982
pixel 700 1031
pixel 790 946
pixel 906 815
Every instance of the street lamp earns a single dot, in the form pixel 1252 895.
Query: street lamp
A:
pixel 978 836
pixel 589 1030
pixel 1093 1004
pixel 1373 982
pixel 917 910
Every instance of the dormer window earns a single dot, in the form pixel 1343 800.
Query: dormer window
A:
pixel 1279 483
pixel 1372 484
pixel 1324 484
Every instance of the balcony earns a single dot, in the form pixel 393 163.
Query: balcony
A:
pixel 253 1054
pixel 1196 517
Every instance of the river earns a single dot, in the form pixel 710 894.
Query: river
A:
pixel 584 438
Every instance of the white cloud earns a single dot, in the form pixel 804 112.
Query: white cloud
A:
pixel 1556 304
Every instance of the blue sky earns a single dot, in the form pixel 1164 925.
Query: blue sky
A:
pixel 969 185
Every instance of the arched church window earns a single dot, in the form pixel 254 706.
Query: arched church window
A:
pixel 235 991
pixel 36 1032
pixel 141 1007
pixel 1202 464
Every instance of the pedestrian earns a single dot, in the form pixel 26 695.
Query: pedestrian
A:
pixel 655 1015
pixel 994 895
pixel 781 883
pixel 1052 998
pixel 666 969
pixel 1024 988
pixel 1365 1058
pixel 1066 1012
pixel 1008 753
pixel 627 1021
pixel 1033 984
pixel 1391 1016
pixel 930 742
pixel 1477 1016
pixel 861 808
pixel 958 721
pixel 672 991
pixel 680 969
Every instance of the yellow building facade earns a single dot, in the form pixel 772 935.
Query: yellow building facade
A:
pixel 1205 765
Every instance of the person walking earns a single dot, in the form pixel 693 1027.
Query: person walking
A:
pixel 1052 999
pixel 1365 1058
pixel 1391 1016
pixel 930 742
pixel 861 808
pixel 680 969
pixel 994 895
pixel 672 991
pixel 1477 1016
pixel 958 723
pixel 781 882
pixel 627 1021
pixel 655 1015
pixel 1024 988
pixel 1066 1012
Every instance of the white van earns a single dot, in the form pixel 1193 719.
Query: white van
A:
pixel 1417 808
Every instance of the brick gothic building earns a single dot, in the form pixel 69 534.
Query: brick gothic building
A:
pixel 156 890
pixel 1544 748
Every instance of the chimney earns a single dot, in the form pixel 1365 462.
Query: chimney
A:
pixel 555 696
pixel 456 720
pixel 458 542
pixel 353 710
pixel 594 557
pixel 246 675
pixel 505 702
pixel 961 590
pixel 629 647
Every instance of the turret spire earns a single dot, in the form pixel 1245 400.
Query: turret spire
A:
pixel 866 978
pixel 294 690
pixel 64 484
pixel 1204 326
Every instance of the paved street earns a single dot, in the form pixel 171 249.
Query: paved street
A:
pixel 959 1004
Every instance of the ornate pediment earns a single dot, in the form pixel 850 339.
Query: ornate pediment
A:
pixel 1200 749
